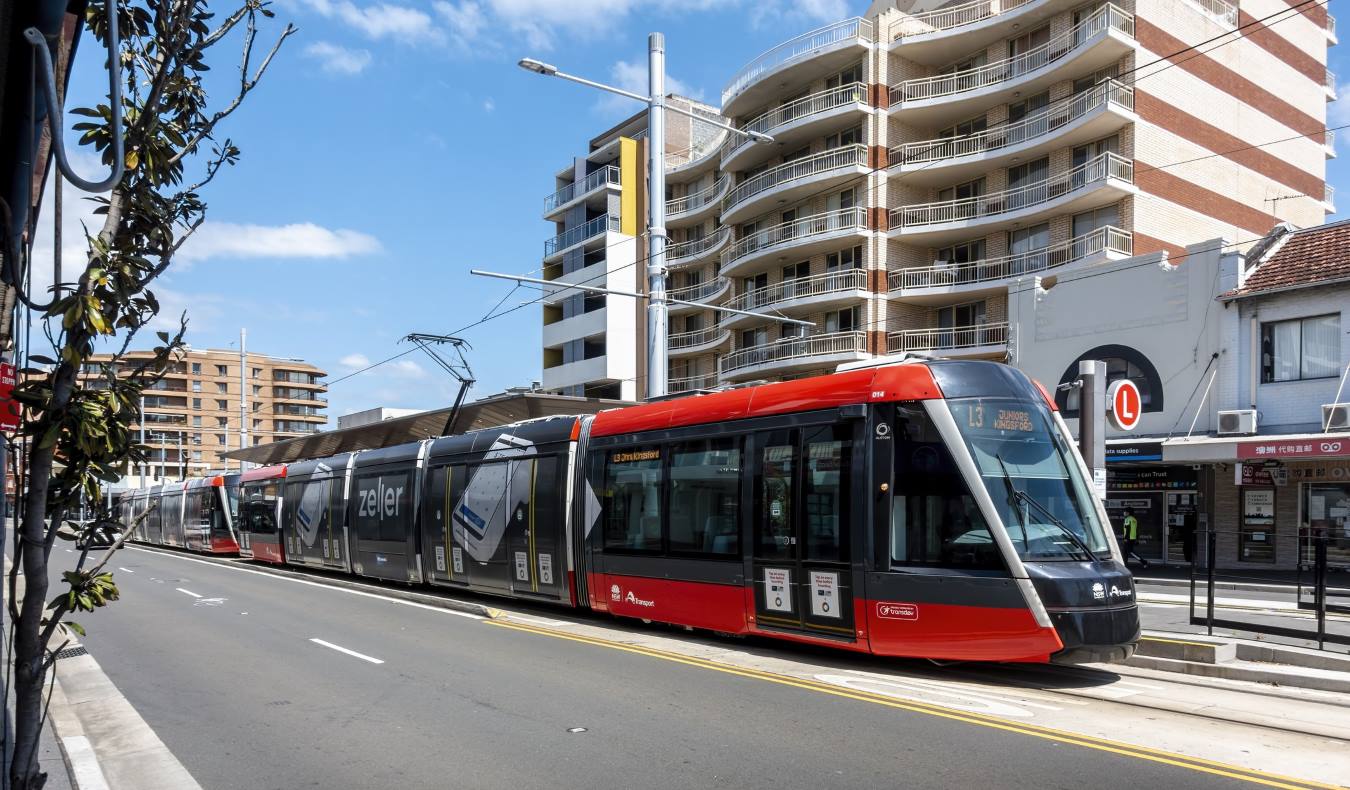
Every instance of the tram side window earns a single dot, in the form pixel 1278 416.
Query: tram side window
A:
pixel 705 489
pixel 631 500
pixel 934 520
pixel 260 509
pixel 825 491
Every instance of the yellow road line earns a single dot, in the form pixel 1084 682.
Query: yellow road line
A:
pixel 1036 731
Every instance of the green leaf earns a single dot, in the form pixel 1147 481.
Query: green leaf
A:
pixel 76 627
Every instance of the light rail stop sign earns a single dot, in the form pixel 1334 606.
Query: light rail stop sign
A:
pixel 1125 404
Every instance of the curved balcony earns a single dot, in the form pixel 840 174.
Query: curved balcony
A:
pixel 989 339
pixel 794 123
pixel 816 53
pixel 793 180
pixel 804 237
pixel 698 381
pixel 709 291
pixel 942 279
pixel 687 344
pixel 1087 116
pixel 1102 38
pixel 817 292
pixel 689 252
pixel 696 207
pixel 702 154
pixel 928 36
pixel 596 228
pixel 795 353
pixel 570 195
pixel 1101 180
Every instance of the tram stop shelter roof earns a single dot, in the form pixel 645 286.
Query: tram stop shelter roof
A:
pixel 489 412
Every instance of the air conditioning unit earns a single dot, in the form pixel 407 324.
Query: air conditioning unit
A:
pixel 1237 422
pixel 1335 416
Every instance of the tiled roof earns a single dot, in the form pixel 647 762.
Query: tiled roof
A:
pixel 1307 257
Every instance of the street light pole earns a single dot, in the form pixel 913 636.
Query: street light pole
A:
pixel 657 310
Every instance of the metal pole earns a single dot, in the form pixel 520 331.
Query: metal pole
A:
pixel 243 413
pixel 1211 554
pixel 1092 420
pixel 656 224
pixel 182 464
pixel 145 462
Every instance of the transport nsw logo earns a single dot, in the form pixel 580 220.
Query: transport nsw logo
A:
pixel 897 611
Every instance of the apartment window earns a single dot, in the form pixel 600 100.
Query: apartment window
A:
pixel 845 259
pixel 1305 348
pixel 841 201
pixel 965 64
pixel 1027 42
pixel 1084 84
pixel 197 421
pixel 1028 173
pixel 796 271
pixel 257 390
pixel 965 252
pixel 196 403
pixel 222 387
pixel 257 423
pixel 1028 106
pixel 196 386
pixel 220 438
pixel 196 455
pixel 961 315
pixel 970 189
pixel 1088 221
pixel 791 330
pixel 753 337
pixel 257 405
pixel 1026 243
pixel 848 76
pixel 966 128
pixel 196 368
pixel 800 153
pixel 593 347
pixel 591 302
pixel 1085 153
pixel 196 438
pixel 847 137
pixel 222 370
pixel 846 320
pixel 257 373
pixel 222 405
pixel 750 284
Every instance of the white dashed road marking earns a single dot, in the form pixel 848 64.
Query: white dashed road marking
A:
pixel 351 653
pixel 187 592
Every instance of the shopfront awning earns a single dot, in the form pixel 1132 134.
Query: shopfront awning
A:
pixel 487 413
pixel 1279 447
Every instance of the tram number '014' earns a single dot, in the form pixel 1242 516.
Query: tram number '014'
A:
pixel 379 502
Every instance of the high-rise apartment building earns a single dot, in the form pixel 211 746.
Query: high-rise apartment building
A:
pixel 925 155
pixel 195 408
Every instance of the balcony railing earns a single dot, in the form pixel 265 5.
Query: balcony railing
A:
pixel 1330 140
pixel 1108 17
pixel 687 250
pixel 950 338
pixel 1097 170
pixel 834 159
pixel 595 227
pixel 1107 239
pixel 803 46
pixel 797 231
pixel 1220 10
pixel 801 287
pixel 605 175
pixel 1329 195
pixel 699 381
pixel 790 348
pixel 1329 82
pixel 698 337
pixel 1331 25
pixel 950 17
pixel 699 199
pixel 805 107
pixel 698 292
pixel 1043 123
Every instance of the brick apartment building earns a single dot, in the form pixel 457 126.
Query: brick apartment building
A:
pixel 926 155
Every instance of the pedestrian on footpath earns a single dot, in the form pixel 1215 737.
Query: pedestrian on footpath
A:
pixel 1131 536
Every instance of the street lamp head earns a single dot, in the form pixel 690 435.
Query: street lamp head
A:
pixel 760 137
pixel 538 67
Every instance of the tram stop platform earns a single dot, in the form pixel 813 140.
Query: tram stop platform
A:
pixel 1252 661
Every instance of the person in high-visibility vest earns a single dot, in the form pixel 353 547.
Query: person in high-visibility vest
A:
pixel 1130 536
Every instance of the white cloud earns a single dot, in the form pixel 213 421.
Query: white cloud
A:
pixel 405 369
pixel 355 361
pixel 465 20
pixel 820 11
pixel 298 240
pixel 381 20
pixel 632 76
pixel 489 105
pixel 338 60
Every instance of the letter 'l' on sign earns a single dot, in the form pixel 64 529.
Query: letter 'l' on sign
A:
pixel 1125 404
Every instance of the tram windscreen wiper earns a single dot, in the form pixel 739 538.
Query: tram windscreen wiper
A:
pixel 1023 497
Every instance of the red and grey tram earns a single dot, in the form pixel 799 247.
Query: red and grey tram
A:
pixel 934 509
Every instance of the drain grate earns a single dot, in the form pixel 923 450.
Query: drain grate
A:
pixel 72 652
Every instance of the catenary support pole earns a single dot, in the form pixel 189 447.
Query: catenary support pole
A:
pixel 243 412
pixel 1092 420
pixel 656 226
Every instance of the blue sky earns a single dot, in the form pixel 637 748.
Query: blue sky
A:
pixel 395 145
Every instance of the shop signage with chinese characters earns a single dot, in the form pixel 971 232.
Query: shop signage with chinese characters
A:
pixel 1293 448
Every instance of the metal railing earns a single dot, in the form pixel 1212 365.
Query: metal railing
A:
pixel 1043 123
pixel 1331 25
pixel 580 233
pixel 797 231
pixel 954 337
pixel 1108 17
pixel 803 46
pixel 805 107
pixel 1220 10
pixel 698 337
pixel 798 288
pixel 1330 140
pixel 950 16
pixel 1329 195
pixel 790 348
pixel 699 291
pixel 698 381
pixel 1099 169
pixel 1329 82
pixel 1107 239
pixel 608 174
pixel 697 200
pixel 687 250
pixel 834 159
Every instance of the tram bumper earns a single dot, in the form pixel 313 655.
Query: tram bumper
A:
pixel 1092 608
pixel 1096 636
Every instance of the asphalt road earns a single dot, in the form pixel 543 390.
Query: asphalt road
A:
pixel 222 664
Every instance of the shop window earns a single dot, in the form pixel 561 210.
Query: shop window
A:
pixel 1306 348
pixel 1325 510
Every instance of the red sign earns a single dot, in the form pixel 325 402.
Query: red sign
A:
pixel 1293 448
pixel 9 410
pixel 898 611
pixel 1126 404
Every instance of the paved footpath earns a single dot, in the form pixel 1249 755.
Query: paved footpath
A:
pixel 257 681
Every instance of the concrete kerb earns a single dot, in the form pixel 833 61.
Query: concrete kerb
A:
pixel 429 599
pixel 1244 660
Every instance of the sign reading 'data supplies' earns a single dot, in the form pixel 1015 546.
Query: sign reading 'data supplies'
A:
pixel 9 409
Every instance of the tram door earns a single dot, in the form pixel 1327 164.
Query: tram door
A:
pixel 802 511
